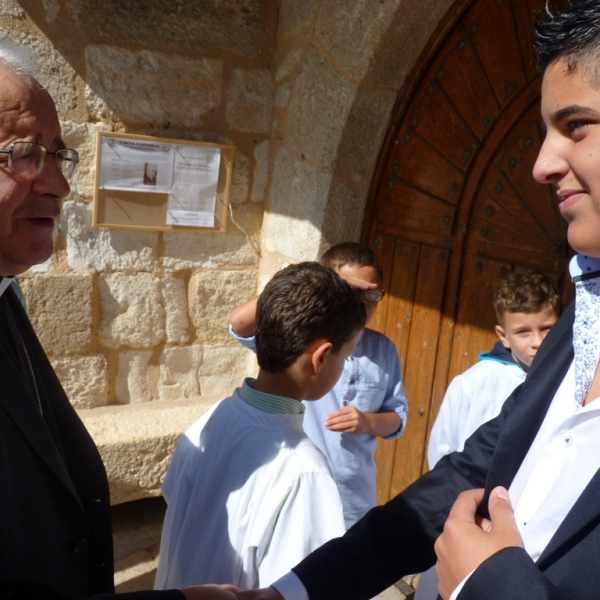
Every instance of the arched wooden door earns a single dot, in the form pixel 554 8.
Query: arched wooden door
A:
pixel 455 206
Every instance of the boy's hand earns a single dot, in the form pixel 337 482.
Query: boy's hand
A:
pixel 359 284
pixel 210 592
pixel 348 420
pixel 468 539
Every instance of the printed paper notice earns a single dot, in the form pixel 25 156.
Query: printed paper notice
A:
pixel 193 191
pixel 136 165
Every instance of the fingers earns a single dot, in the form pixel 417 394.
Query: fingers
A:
pixel 466 505
pixel 346 420
pixel 360 284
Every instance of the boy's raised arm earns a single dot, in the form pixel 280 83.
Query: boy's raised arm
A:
pixel 243 318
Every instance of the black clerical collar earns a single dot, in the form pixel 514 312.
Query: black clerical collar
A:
pixel 5 284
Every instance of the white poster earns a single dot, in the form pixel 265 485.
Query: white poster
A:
pixel 194 189
pixel 136 165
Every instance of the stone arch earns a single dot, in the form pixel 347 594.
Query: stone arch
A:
pixel 338 72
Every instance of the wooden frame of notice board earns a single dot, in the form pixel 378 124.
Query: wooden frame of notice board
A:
pixel 149 183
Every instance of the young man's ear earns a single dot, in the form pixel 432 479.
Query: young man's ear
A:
pixel 320 350
pixel 502 335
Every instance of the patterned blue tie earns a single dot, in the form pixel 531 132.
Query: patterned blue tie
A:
pixel 585 271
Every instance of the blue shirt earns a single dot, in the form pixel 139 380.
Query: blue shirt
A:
pixel 371 381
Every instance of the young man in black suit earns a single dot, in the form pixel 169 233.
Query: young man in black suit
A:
pixel 519 508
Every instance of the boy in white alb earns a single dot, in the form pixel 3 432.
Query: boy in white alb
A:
pixel 527 306
pixel 368 400
pixel 248 493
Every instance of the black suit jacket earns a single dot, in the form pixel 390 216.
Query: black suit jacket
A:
pixel 397 539
pixel 55 529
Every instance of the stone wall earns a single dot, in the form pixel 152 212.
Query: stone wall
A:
pixel 130 317
pixel 305 92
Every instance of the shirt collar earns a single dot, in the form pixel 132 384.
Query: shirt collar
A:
pixel 5 284
pixel 269 403
pixel 584 267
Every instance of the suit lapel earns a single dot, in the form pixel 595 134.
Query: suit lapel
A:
pixel 531 404
pixel 20 406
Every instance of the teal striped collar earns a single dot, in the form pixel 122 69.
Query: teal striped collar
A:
pixel 268 403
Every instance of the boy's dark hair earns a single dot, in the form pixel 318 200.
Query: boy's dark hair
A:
pixel 301 304
pixel 572 34
pixel 526 292
pixel 351 253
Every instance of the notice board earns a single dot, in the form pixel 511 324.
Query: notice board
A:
pixel 158 184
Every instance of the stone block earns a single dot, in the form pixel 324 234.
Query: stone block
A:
pixel 223 368
pixel 412 25
pixel 60 308
pixel 105 249
pixel 84 379
pixel 179 373
pixel 176 310
pixel 213 295
pixel 367 124
pixel 54 72
pixel 261 171
pixel 81 137
pixel 207 250
pixel 354 35
pixel 11 8
pixel 136 442
pixel 190 371
pixel 250 100
pixel 283 95
pixel 151 86
pixel 185 26
pixel 344 204
pixel 298 193
pixel 240 178
pixel 289 64
pixel 294 15
pixel 319 108
pixel 132 313
pixel 133 385
pixel 52 8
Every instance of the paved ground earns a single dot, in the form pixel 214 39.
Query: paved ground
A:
pixel 403 590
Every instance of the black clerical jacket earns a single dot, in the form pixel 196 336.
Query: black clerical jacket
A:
pixel 55 530
pixel 397 538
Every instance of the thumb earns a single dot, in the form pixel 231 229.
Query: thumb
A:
pixel 500 507
pixel 502 516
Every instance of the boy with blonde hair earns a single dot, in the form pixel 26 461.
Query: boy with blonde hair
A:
pixel 527 306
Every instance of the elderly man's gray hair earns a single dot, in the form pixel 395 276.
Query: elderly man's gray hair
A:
pixel 19 59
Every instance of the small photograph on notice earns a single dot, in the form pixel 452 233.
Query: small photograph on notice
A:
pixel 150 171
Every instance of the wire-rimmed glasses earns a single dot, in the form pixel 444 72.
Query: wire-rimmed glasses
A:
pixel 27 159
pixel 372 295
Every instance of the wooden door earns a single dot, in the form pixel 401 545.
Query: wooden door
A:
pixel 454 207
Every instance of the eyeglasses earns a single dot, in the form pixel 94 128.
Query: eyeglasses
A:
pixel 27 159
pixel 372 295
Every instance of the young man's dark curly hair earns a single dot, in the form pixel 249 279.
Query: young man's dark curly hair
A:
pixel 301 304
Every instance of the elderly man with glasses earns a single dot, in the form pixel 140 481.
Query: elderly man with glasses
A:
pixel 55 531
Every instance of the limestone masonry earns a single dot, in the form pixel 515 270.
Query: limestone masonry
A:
pixel 135 323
